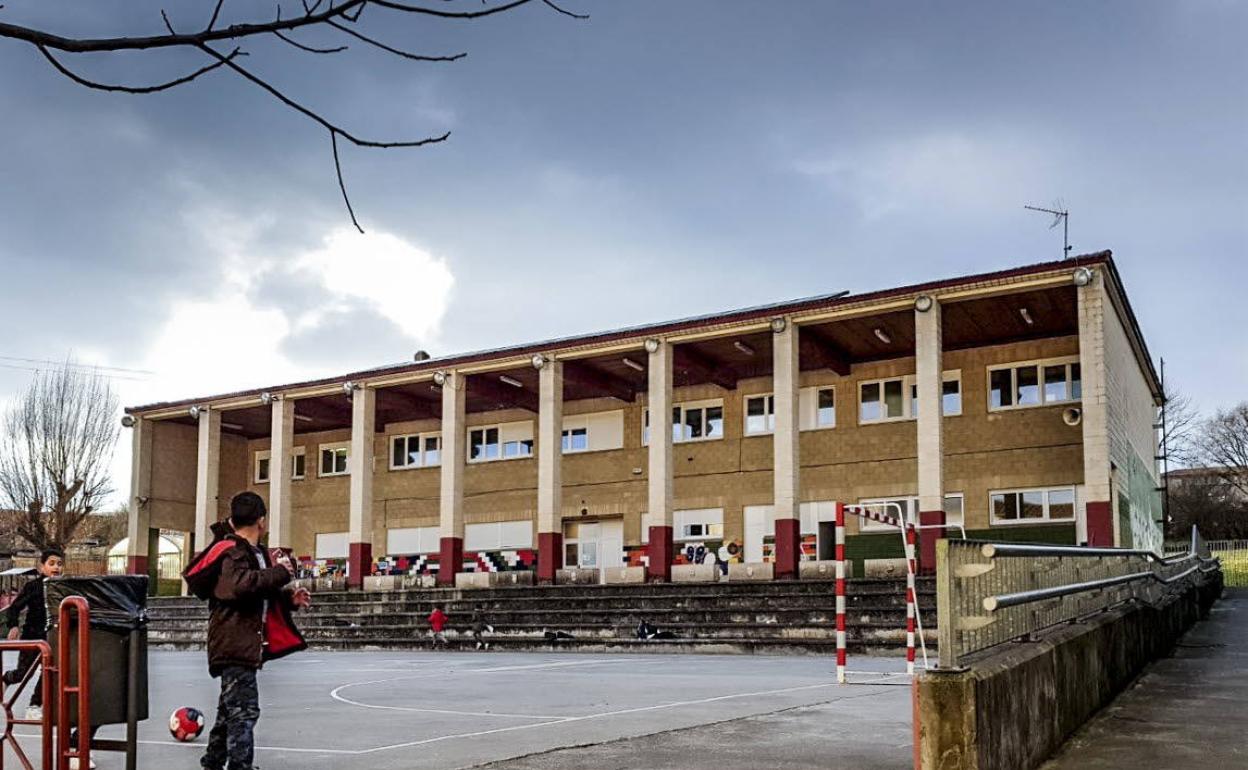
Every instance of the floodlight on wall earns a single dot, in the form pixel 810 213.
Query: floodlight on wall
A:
pixel 778 324
pixel 266 398
pixel 439 378
pixel 349 387
pixel 652 345
pixel 128 421
pixel 512 381
pixel 882 336
pixel 631 364
pixel 923 303
pixel 744 348
pixel 538 360
pixel 196 411
pixel 1026 314
pixel 1082 276
pixel 1072 415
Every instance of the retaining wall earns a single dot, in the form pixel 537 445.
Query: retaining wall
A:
pixel 1012 707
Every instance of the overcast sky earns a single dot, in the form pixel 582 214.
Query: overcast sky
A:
pixel 658 160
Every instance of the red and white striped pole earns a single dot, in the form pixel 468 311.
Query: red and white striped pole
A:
pixel 910 597
pixel 840 593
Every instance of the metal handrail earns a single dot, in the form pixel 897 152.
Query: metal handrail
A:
pixel 48 674
pixel 70 606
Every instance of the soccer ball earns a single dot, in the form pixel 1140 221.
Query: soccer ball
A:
pixel 186 724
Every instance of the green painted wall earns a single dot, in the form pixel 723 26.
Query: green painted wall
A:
pixel 859 548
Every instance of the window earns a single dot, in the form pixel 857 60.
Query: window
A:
pixel 950 394
pixel 332 545
pixel 760 414
pixel 496 536
pixel 262 467
pixel 825 407
pixel 576 440
pixel 410 540
pixel 695 421
pixel 420 450
pixel 507 441
pixel 1024 505
pixel 882 400
pixel 263 462
pixel 1034 384
pixel 334 459
pixel 698 524
pixel 483 444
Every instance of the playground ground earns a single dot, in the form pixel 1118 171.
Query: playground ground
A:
pixel 391 710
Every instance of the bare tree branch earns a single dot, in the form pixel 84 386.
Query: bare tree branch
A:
pixel 215 13
pixel 333 138
pixel 395 51
pixel 134 89
pixel 564 11
pixel 308 48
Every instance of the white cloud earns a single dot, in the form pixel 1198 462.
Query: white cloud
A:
pixel 403 283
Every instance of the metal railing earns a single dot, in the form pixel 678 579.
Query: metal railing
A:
pixel 992 593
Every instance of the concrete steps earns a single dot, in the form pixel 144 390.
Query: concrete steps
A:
pixel 776 617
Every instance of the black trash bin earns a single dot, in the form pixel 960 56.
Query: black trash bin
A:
pixel 118 607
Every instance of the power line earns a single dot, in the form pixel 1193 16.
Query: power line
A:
pixel 76 365
pixel 106 375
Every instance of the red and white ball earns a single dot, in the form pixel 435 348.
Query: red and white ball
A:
pixel 186 723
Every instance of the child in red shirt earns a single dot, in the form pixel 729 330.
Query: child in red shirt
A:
pixel 437 625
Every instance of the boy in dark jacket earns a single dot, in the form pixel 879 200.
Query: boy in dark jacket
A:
pixel 249 623
pixel 51 564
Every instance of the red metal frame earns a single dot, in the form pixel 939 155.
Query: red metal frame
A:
pixel 69 606
pixel 6 702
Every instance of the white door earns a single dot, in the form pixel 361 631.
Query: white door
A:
pixel 588 550
pixel 757 518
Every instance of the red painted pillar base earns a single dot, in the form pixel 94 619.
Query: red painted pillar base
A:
pixel 1100 524
pixel 359 564
pixel 450 560
pixel 928 538
pixel 136 565
pixel 788 548
pixel 549 556
pixel 660 568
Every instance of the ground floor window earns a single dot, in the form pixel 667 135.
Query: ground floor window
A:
pixel 1015 506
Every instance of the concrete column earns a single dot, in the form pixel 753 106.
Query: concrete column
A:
pixel 549 471
pixel 207 475
pixel 280 459
pixel 785 466
pixel 1097 526
pixel 660 470
pixel 360 466
pixel 454 453
pixel 929 381
pixel 140 497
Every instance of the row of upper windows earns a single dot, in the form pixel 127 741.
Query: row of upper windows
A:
pixel 1010 386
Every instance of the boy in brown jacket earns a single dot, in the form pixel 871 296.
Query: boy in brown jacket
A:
pixel 249 623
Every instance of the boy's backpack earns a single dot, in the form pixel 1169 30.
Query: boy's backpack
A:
pixel 205 568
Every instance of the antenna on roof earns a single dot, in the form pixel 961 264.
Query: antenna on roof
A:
pixel 1060 215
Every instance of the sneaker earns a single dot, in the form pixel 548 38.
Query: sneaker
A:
pixel 73 763
pixel 34 713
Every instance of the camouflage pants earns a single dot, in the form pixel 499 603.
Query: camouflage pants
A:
pixel 237 712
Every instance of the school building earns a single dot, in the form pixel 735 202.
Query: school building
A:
pixel 1013 405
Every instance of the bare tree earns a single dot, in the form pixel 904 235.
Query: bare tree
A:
pixel 213 42
pixel 1182 428
pixel 55 451
pixel 1224 446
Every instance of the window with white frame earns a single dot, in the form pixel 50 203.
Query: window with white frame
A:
pixel 693 421
pixel 883 400
pixel 816 408
pixel 825 407
pixel 498 535
pixel 410 540
pixel 506 441
pixel 1020 506
pixel 332 545
pixel 950 394
pixel 576 439
pixel 416 450
pixel 334 459
pixel 1034 383
pixel 262 467
pixel 909 507
pixel 263 461
pixel 698 524
pixel 760 414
